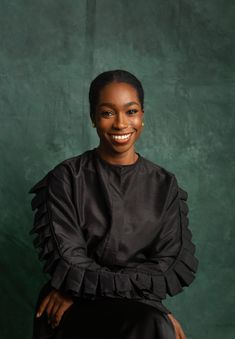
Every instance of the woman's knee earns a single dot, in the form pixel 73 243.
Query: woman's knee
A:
pixel 149 322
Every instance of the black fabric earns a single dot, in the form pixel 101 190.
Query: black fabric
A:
pixel 107 318
pixel 113 231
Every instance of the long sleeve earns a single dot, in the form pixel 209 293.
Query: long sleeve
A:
pixel 171 262
pixel 64 249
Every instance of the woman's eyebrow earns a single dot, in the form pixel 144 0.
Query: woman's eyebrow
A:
pixel 131 103
pixel 126 105
pixel 105 104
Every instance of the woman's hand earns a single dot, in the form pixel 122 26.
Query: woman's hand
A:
pixel 55 304
pixel 179 333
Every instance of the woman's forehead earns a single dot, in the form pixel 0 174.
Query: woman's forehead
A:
pixel 118 92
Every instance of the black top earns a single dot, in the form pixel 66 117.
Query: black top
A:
pixel 118 231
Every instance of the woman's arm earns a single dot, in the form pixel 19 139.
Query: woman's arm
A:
pixel 171 262
pixel 63 248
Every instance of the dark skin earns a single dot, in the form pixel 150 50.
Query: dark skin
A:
pixel 118 120
pixel 55 304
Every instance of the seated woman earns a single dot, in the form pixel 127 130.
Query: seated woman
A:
pixel 113 231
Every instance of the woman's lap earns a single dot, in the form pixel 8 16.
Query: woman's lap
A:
pixel 108 318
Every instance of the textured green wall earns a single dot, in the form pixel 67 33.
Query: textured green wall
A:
pixel 183 52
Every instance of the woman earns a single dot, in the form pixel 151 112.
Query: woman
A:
pixel 112 228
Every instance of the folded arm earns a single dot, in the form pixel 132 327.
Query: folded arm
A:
pixel 63 248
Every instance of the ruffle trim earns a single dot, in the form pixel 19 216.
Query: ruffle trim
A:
pixel 90 283
pixel 182 271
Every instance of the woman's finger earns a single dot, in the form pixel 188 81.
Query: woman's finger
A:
pixel 43 306
pixel 60 312
pixel 53 305
pixel 178 329
pixel 54 314
pixel 49 309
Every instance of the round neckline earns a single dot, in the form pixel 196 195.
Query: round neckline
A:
pixel 117 165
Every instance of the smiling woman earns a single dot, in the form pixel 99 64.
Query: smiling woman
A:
pixel 118 122
pixel 117 115
pixel 113 231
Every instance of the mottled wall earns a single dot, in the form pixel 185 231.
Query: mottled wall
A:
pixel 183 51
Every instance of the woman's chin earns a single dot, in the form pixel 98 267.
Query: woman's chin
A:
pixel 116 148
pixel 120 147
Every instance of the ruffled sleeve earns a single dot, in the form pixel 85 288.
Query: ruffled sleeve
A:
pixel 172 263
pixel 180 272
pixel 64 251
pixel 63 248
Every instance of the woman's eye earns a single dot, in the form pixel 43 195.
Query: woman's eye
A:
pixel 132 111
pixel 106 114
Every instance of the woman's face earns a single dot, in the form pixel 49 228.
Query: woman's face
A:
pixel 118 117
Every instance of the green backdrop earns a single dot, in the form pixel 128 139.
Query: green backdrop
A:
pixel 183 51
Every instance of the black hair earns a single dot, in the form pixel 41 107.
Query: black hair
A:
pixel 105 78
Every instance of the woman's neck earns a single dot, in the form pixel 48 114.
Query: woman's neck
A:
pixel 119 158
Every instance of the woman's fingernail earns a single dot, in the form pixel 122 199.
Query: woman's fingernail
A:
pixel 38 314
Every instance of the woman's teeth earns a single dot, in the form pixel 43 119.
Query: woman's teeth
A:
pixel 120 137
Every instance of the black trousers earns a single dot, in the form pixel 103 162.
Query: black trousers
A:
pixel 108 318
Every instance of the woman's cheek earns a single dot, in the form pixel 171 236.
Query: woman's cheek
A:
pixel 137 122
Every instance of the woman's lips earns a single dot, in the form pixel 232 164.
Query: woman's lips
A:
pixel 121 138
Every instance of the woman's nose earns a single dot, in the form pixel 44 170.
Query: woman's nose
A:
pixel 120 121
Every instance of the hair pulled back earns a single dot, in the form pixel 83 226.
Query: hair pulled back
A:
pixel 108 77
